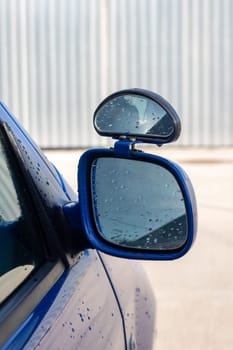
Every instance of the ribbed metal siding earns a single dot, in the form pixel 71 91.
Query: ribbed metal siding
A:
pixel 59 58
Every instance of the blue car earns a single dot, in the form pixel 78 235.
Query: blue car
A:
pixel 67 275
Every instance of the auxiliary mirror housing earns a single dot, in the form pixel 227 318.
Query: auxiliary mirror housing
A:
pixel 139 114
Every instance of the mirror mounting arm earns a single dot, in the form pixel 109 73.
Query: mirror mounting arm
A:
pixel 78 240
pixel 124 146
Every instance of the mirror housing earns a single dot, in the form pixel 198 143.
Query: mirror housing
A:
pixel 137 114
pixel 133 204
pixel 98 232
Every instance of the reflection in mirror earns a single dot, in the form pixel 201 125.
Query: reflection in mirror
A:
pixel 133 114
pixel 138 205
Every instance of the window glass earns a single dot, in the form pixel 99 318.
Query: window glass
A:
pixel 20 247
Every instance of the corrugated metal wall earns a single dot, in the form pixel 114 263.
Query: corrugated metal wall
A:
pixel 59 58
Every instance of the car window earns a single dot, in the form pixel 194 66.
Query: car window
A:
pixel 20 249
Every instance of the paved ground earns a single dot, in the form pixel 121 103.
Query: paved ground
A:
pixel 194 294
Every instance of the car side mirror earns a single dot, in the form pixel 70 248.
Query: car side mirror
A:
pixel 141 207
pixel 133 204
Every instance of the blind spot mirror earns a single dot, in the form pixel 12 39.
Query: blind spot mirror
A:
pixel 138 114
pixel 138 206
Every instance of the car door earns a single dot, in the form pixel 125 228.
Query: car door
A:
pixel 49 297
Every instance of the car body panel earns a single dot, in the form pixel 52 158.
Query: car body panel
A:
pixel 139 310
pixel 84 312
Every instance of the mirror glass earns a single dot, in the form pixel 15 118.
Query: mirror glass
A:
pixel 138 205
pixel 132 114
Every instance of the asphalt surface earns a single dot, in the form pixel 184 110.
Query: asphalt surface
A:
pixel 194 295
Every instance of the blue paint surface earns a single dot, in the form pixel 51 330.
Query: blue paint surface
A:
pixel 22 335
